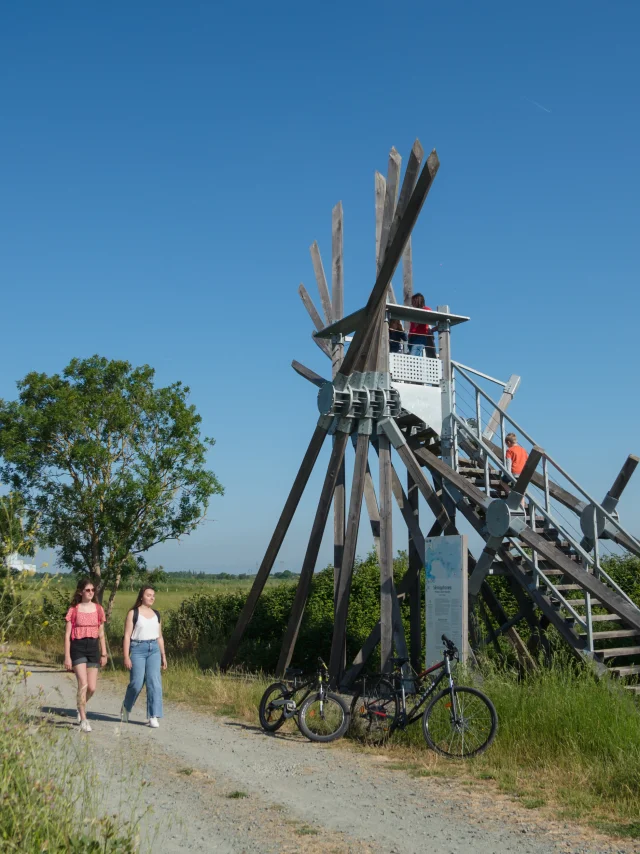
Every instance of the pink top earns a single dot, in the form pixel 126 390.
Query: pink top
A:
pixel 85 624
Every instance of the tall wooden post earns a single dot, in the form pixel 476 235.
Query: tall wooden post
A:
pixel 337 304
pixel 387 589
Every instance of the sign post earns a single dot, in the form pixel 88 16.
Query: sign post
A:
pixel 446 602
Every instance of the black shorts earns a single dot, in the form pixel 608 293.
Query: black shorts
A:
pixel 85 651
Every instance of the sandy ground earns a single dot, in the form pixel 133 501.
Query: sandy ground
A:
pixel 298 796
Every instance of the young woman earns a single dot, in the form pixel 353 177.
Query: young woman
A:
pixel 144 656
pixel 84 645
pixel 421 341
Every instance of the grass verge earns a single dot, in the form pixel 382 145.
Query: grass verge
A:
pixel 47 789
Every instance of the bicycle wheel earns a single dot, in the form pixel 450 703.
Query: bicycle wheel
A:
pixel 271 708
pixel 374 711
pixel 323 717
pixel 464 734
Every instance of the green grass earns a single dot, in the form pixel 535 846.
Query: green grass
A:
pixel 237 794
pixel 47 789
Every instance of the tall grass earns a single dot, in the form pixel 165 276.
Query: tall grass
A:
pixel 47 790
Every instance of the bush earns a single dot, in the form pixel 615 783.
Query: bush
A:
pixel 203 623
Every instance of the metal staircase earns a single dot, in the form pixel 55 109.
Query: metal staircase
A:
pixel 551 552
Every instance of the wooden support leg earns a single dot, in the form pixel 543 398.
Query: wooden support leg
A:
pixel 415 589
pixel 346 571
pixel 299 484
pixel 311 556
pixel 387 591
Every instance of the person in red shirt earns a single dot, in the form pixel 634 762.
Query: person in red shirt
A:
pixel 421 340
pixel 516 456
pixel 84 645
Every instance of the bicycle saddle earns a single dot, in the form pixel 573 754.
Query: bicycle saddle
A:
pixel 294 671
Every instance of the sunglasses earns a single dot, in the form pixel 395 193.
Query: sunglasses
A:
pixel 89 590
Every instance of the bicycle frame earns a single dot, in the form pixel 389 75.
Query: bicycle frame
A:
pixel 445 667
pixel 292 704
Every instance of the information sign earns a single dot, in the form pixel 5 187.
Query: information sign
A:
pixel 446 595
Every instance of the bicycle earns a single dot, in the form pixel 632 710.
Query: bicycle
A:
pixel 459 722
pixel 320 714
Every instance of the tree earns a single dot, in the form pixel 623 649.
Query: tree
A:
pixel 111 464
pixel 18 527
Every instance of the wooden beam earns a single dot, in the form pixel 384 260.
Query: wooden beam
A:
pixel 312 311
pixel 623 478
pixel 503 404
pixel 387 590
pixel 400 231
pixel 380 191
pixel 346 570
pixel 337 307
pixel 415 590
pixel 299 484
pixel 308 374
pixel 321 280
pixel 311 555
pixel 435 504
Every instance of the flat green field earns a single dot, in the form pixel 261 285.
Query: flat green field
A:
pixel 168 595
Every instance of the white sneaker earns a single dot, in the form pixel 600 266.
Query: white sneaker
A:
pixel 85 726
pixel 124 715
pixel 153 723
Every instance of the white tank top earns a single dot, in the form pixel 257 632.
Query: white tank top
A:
pixel 146 628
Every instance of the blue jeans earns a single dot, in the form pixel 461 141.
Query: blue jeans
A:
pixel 416 350
pixel 145 667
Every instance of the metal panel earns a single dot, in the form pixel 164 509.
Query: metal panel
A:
pixel 424 401
pixel 415 369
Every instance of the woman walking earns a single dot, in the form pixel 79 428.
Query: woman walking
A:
pixel 144 656
pixel 84 645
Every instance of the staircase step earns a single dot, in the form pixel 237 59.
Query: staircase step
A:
pixel 634 688
pixel 631 670
pixel 568 587
pixel 577 602
pixel 616 633
pixel 604 618
pixel 621 650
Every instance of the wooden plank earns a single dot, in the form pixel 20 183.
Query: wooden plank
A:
pixel 477 496
pixel 299 484
pixel 337 308
pixel 338 529
pixel 524 478
pixel 312 311
pixel 308 374
pixel 311 555
pixel 407 274
pixel 380 191
pixel 503 404
pixel 415 590
pixel 400 232
pixel 435 504
pixel 323 346
pixel 387 591
pixel 390 201
pixel 321 280
pixel 346 571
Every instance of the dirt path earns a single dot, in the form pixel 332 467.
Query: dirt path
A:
pixel 297 796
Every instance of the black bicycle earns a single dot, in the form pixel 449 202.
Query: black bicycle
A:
pixel 320 714
pixel 459 722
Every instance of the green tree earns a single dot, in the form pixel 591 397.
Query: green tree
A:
pixel 111 464
pixel 18 527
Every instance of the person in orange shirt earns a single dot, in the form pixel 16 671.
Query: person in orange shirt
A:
pixel 516 456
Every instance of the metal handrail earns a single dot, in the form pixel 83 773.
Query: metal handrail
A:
pixel 546 514
pixel 566 602
pixel 550 459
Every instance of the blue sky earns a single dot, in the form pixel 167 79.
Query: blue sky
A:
pixel 166 166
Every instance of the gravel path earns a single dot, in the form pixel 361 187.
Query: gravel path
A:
pixel 298 796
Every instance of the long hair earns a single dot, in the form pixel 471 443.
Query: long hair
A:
pixel 141 592
pixel 417 300
pixel 77 596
